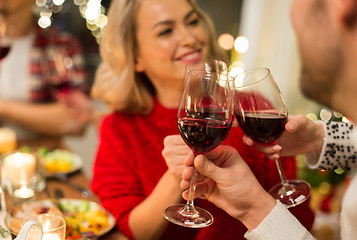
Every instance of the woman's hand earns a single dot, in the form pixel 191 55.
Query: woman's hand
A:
pixel 175 152
pixel 229 184
pixel 301 136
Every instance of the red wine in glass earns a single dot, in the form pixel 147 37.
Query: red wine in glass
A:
pixel 261 112
pixel 204 119
pixel 263 127
pixel 203 135
pixel 4 50
pixel 62 87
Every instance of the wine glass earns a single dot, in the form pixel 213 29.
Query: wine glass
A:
pixel 204 119
pixel 262 114
pixel 60 71
pixel 209 65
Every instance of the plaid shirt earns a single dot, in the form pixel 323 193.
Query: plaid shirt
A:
pixel 56 62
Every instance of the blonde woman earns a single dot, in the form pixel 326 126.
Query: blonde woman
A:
pixel 145 48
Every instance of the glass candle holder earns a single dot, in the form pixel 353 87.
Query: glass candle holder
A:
pixel 53 227
pixel 21 175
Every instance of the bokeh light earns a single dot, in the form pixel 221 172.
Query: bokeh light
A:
pixel 337 114
pixel 325 115
pixel 226 41
pixel 101 21
pixel 92 10
pixel 311 116
pixel 241 44
pixel 44 22
pixel 79 2
pixel 58 2
pixel 236 68
pixel 41 3
pixel 339 171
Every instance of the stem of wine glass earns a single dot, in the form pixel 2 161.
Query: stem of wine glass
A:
pixel 281 172
pixel 286 189
pixel 189 209
pixel 191 194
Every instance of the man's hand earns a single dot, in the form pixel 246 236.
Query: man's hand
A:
pixel 226 180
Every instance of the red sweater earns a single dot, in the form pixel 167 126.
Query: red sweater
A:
pixel 129 164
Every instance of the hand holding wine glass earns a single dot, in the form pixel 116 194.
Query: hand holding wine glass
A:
pixel 301 136
pixel 262 114
pixel 204 120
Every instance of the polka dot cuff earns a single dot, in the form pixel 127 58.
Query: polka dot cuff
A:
pixel 338 150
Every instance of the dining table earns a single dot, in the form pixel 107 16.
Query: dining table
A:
pixel 66 189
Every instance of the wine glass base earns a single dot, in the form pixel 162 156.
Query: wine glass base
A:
pixel 292 194
pixel 177 214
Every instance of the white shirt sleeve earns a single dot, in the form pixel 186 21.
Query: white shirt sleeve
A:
pixel 280 224
pixel 338 150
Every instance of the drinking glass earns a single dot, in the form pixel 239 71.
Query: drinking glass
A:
pixel 204 119
pixel 262 114
pixel 53 227
pixel 60 71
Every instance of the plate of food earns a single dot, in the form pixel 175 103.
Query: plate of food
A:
pixel 60 161
pixel 82 217
pixel 55 161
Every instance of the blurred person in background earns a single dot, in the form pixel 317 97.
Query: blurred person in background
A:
pixel 145 48
pixel 329 76
pixel 43 83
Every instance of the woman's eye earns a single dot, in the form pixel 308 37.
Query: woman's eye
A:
pixel 165 32
pixel 193 22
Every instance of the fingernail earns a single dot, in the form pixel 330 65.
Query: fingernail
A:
pixel 291 126
pixel 277 148
pixel 247 142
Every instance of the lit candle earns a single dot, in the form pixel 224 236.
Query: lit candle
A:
pixel 24 192
pixel 19 168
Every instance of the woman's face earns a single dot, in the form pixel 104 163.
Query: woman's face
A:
pixel 169 36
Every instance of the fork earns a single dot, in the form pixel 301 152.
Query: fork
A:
pixel 64 178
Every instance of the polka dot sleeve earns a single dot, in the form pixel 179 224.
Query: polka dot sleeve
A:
pixel 338 150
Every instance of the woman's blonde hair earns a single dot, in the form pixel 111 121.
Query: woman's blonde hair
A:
pixel 116 81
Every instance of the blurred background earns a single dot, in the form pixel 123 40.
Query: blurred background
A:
pixel 253 33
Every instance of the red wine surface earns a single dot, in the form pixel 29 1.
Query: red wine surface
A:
pixel 203 135
pixel 4 51
pixel 263 127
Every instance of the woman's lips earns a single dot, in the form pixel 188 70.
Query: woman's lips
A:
pixel 190 57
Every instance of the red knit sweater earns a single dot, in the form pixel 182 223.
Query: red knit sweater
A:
pixel 129 164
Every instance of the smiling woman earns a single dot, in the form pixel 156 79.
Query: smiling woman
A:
pixel 145 48
pixel 128 53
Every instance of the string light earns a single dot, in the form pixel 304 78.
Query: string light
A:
pixel 91 10
pixel 58 2
pixel 44 21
